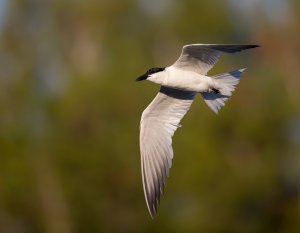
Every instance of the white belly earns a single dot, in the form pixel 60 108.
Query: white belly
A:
pixel 187 80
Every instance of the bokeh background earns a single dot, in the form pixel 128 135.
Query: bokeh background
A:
pixel 70 111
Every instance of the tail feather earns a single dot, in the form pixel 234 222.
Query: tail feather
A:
pixel 226 83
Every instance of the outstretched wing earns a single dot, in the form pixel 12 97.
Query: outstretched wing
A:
pixel 201 58
pixel 158 124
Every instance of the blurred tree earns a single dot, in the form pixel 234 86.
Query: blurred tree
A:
pixel 70 111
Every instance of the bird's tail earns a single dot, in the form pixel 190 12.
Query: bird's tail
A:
pixel 226 83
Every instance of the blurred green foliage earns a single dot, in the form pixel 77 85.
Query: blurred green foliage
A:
pixel 70 111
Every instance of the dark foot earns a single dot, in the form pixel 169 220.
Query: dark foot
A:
pixel 215 91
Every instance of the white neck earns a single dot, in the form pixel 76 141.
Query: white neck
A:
pixel 158 78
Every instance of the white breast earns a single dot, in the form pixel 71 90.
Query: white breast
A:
pixel 186 80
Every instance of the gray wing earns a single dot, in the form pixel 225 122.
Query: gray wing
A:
pixel 201 58
pixel 158 124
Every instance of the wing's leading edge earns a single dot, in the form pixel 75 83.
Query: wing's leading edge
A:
pixel 201 58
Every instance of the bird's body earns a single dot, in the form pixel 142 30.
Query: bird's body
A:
pixel 180 83
pixel 183 80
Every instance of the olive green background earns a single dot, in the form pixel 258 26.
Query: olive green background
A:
pixel 70 111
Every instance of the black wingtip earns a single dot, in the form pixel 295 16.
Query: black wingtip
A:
pixel 244 47
pixel 240 48
pixel 253 46
pixel 232 48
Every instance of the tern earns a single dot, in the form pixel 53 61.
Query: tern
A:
pixel 179 84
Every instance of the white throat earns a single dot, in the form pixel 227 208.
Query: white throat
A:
pixel 158 77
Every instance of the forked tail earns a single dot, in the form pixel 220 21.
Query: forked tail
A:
pixel 226 83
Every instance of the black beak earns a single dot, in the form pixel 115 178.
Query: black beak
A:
pixel 143 77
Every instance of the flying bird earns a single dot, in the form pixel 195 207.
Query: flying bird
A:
pixel 179 84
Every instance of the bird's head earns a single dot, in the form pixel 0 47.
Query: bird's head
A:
pixel 149 73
